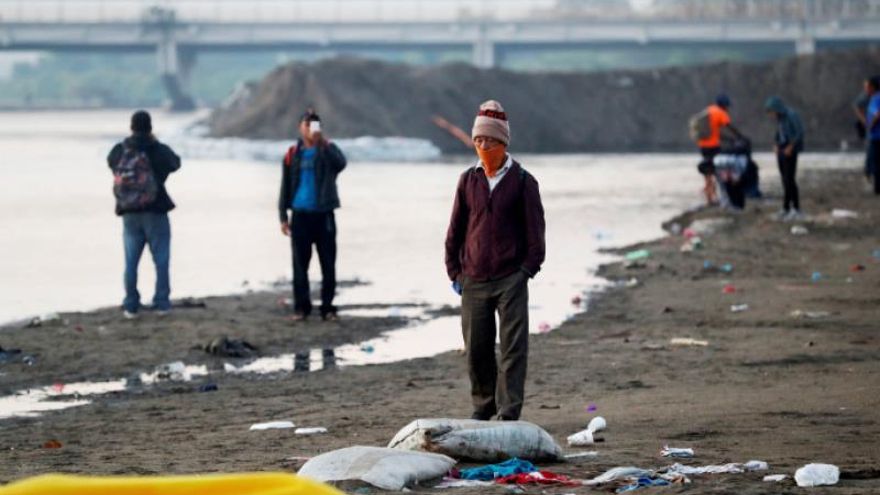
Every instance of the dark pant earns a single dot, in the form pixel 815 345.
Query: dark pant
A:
pixel 788 172
pixel 872 163
pixel 494 387
pixel 306 229
pixel 139 230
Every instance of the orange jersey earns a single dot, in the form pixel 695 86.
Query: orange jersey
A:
pixel 718 118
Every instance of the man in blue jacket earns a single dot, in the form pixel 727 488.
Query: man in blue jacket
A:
pixel 140 166
pixel 872 131
pixel 789 142
pixel 309 193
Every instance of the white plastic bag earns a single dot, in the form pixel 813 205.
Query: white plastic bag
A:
pixel 585 437
pixel 487 441
pixel 389 469
pixel 817 475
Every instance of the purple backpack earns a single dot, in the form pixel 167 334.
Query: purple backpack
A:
pixel 134 183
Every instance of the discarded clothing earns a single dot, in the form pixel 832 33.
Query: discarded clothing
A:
pixel 457 483
pixel 492 471
pixel 225 347
pixel 733 467
pixel 618 473
pixel 537 478
pixel 643 482
pixel 668 451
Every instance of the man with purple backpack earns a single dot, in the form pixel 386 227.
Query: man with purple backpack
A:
pixel 140 166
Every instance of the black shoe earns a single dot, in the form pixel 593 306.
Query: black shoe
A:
pixel 481 416
pixel 332 316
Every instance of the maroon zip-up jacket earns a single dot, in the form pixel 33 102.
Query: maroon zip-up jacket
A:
pixel 493 235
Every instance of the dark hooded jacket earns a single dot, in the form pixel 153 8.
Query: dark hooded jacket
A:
pixel 789 128
pixel 329 162
pixel 163 161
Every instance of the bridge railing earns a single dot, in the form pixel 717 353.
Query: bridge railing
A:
pixel 266 11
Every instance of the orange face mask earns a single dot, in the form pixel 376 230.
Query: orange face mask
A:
pixel 492 158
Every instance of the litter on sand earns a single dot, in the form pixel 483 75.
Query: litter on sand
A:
pixel 739 308
pixel 668 451
pixel 582 455
pixel 638 254
pixel 728 289
pixel 585 437
pixel 488 441
pixel 841 213
pixel 272 425
pixel 775 477
pixel 388 469
pixel 811 315
pixel 733 467
pixel 688 342
pixel 457 483
pixel 817 475
pixel 799 230
pixel 627 477
pixel 310 431
pixel 816 276
pixel 643 482
pixel 493 471
pixel 537 478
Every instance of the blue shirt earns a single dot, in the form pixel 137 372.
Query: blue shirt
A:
pixel 306 196
pixel 873 109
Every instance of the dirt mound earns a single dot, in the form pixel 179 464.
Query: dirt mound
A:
pixel 550 112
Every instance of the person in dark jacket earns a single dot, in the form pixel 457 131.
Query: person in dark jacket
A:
pixel 494 245
pixel 789 142
pixel 309 193
pixel 145 218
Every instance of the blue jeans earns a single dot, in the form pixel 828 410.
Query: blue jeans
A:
pixel 153 229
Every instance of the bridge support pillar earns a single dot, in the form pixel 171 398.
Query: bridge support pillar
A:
pixel 805 46
pixel 174 65
pixel 484 51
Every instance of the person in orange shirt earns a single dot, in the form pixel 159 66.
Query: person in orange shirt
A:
pixel 719 119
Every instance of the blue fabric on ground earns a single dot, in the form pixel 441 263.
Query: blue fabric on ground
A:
pixel 492 471
pixel 643 482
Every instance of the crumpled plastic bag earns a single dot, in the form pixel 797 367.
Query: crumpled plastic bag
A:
pixel 486 441
pixel 389 469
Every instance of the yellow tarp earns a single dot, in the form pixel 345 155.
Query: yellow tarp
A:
pixel 209 484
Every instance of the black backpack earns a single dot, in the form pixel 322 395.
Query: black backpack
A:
pixel 134 182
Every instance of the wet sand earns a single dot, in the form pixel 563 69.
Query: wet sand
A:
pixel 769 386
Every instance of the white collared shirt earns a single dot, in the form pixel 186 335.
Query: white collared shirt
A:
pixel 493 181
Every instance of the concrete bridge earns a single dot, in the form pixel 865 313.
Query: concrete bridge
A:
pixel 177 30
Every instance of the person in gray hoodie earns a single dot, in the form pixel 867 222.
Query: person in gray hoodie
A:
pixel 789 142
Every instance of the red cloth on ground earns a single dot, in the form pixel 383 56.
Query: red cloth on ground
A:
pixel 538 477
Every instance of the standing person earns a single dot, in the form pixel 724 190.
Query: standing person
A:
pixel 308 190
pixel 494 244
pixel 872 130
pixel 716 118
pixel 789 142
pixel 141 165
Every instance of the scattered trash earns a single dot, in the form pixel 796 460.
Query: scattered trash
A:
pixel 775 477
pixel 457 483
pixel 544 327
pixel 707 265
pixel 733 467
pixel 811 315
pixel 581 455
pixel 817 475
pixel 29 360
pixel 58 387
pixel 388 469
pixel 317 430
pixel 708 226
pixel 208 387
pixel 799 230
pixel 487 441
pixel 668 451
pixel 500 470
pixel 576 300
pixel 632 282
pixel 739 308
pixel 537 478
pixel 857 268
pixel 692 244
pixel 591 407
pixel 688 233
pixel 617 473
pixel 687 341
pixel 816 276
pixel 675 228
pixel 52 444
pixel 726 268
pixel 634 265
pixel 585 437
pixel 642 482
pixel 225 347
pixel 171 371
pixel 728 289
pixel 368 348
pixel 638 254
pixel 272 425
pixel 841 213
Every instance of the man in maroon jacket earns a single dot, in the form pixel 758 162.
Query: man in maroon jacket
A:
pixel 494 244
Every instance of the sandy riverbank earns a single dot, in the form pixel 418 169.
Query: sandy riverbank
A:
pixel 768 386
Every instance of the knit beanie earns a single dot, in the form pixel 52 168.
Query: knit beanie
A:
pixel 491 122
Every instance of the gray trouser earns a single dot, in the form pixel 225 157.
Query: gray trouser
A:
pixel 494 387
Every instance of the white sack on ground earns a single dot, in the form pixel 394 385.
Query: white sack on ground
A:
pixel 487 441
pixel 389 469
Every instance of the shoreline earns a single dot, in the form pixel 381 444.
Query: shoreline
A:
pixel 771 386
